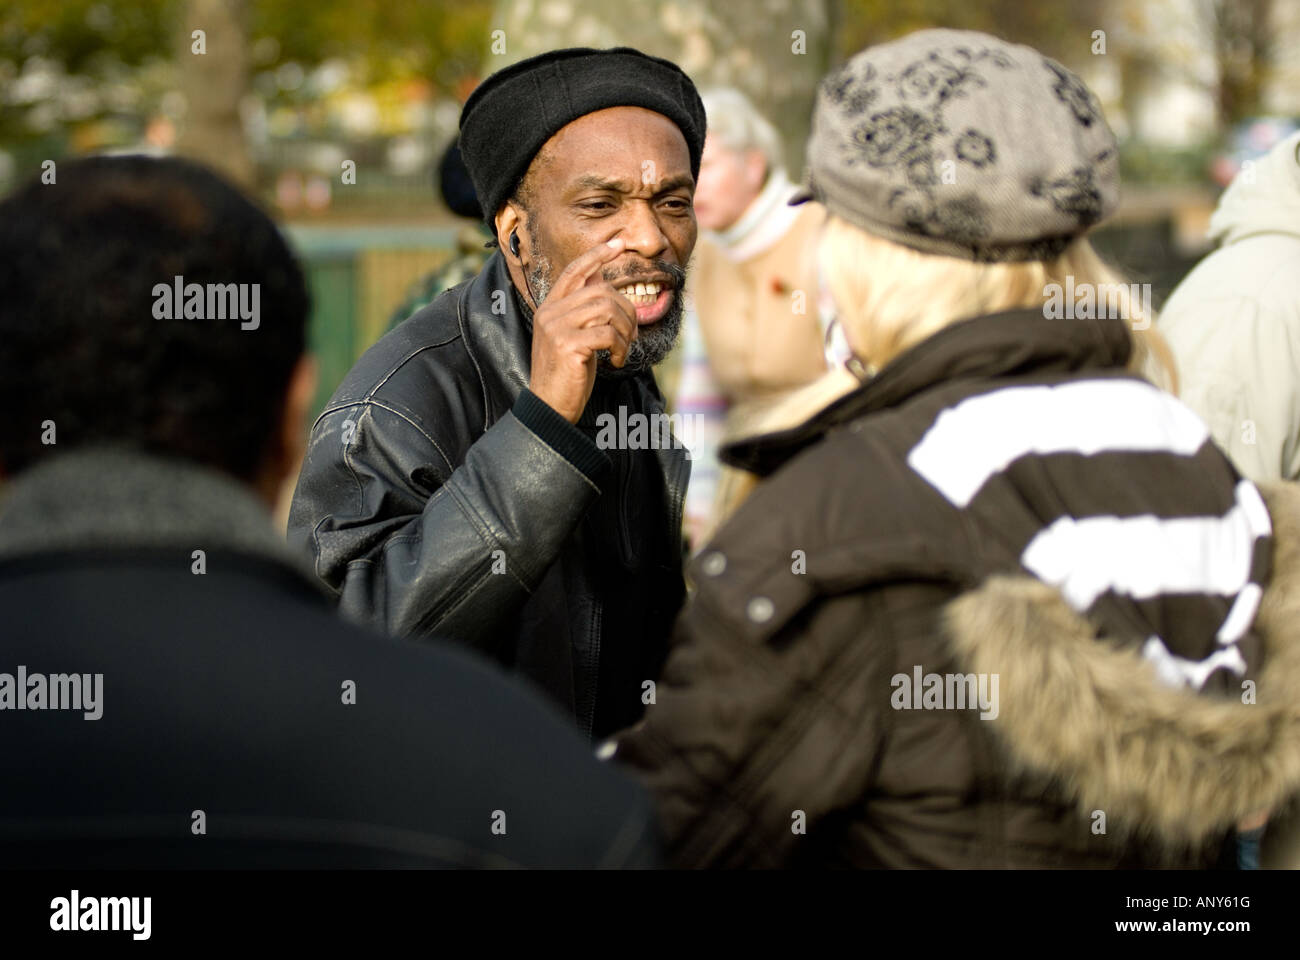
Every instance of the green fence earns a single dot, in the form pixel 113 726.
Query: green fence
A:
pixel 357 276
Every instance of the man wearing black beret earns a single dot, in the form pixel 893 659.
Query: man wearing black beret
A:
pixel 462 483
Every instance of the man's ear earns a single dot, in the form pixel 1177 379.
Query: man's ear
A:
pixel 297 403
pixel 291 438
pixel 508 220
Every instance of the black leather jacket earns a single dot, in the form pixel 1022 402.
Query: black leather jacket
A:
pixel 441 498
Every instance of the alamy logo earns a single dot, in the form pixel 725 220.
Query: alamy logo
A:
pixel 75 912
pixel 640 431
pixel 211 301
pixel 946 691
pixel 1098 301
pixel 57 691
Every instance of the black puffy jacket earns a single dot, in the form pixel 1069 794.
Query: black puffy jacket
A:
pixel 441 498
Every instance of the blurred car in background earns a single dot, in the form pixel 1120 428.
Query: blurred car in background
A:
pixel 1249 140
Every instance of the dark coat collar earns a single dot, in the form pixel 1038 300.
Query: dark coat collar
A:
pixel 1008 344
pixel 111 498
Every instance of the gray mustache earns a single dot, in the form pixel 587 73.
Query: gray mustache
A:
pixel 677 274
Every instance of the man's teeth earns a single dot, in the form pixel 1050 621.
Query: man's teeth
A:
pixel 642 294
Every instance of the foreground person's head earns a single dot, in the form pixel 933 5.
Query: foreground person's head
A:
pixel 574 148
pixel 961 174
pixel 148 305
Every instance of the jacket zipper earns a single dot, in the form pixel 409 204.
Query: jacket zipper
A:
pixel 592 672
pixel 677 500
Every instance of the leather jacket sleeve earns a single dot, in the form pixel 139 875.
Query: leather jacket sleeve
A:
pixel 420 549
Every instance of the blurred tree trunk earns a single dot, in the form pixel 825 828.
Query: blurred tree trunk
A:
pixel 1227 48
pixel 214 83
pixel 1244 51
pixel 774 50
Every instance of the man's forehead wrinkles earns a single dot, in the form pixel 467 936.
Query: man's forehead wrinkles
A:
pixel 595 181
pixel 592 181
pixel 676 182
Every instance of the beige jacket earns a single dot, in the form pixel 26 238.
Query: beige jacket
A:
pixel 757 306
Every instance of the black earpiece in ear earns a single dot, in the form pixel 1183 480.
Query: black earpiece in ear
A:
pixel 514 243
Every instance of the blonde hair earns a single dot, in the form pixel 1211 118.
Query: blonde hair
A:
pixel 890 297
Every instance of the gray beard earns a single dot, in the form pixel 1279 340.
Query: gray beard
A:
pixel 653 342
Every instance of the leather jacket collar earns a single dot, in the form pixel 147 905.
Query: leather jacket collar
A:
pixel 497 334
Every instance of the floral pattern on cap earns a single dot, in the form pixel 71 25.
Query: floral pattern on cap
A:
pixel 959 143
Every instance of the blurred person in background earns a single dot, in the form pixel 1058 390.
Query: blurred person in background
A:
pixel 176 690
pixel 999 601
pixel 1234 322
pixel 471 251
pixel 752 332
pixel 1233 325
pixel 460 484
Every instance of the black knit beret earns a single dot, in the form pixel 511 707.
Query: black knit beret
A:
pixel 517 109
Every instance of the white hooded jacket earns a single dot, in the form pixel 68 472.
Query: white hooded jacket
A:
pixel 1234 321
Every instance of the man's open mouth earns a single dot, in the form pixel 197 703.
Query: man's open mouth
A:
pixel 651 299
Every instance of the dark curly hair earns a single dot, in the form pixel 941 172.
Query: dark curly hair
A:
pixel 79 259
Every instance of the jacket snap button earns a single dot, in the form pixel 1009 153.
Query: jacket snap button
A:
pixel 760 610
pixel 713 564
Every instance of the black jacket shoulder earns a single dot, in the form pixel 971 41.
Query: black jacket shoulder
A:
pixel 302 740
pixel 420 376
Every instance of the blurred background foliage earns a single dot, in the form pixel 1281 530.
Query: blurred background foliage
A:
pixel 296 89
pixel 82 75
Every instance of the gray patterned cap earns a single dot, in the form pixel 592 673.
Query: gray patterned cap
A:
pixel 955 142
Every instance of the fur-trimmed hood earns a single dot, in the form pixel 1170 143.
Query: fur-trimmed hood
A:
pixel 1172 763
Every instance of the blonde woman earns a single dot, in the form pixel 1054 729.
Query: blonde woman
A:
pixel 998 600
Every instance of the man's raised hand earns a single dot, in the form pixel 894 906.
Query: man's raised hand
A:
pixel 582 315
